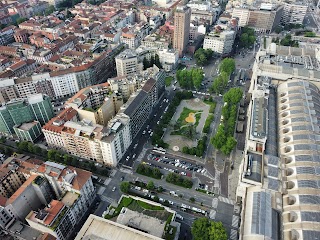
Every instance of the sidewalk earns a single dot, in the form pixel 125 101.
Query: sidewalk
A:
pixel 233 177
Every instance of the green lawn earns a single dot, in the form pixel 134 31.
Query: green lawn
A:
pixel 168 80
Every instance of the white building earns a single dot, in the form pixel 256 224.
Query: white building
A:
pixel 294 13
pixel 219 42
pixel 198 5
pixel 161 3
pixel 168 59
pixel 242 14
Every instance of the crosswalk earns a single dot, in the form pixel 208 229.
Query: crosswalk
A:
pixel 235 221
pixel 225 200
pixel 233 234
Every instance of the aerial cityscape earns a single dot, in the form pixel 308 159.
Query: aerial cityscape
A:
pixel 163 119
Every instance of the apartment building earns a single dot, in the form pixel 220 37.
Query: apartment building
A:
pixel 61 83
pixel 220 42
pixel 242 14
pixel 66 192
pixel 105 144
pixel 203 16
pixel 10 181
pixel 294 12
pixel 96 103
pixel 181 29
pixel 155 41
pixel 168 59
pixel 23 111
pixel 127 62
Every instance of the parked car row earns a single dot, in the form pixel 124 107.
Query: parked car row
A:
pixel 177 163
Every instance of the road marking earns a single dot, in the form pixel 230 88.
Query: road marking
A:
pixel 233 234
pixel 225 200
pixel 235 221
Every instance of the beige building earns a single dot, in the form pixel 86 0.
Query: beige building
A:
pixel 10 181
pixel 181 29
pixel 96 104
pixel 127 62
pixel 242 14
pixel 294 12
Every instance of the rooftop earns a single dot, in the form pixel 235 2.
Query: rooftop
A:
pixel 140 221
pixel 27 126
pixel 97 228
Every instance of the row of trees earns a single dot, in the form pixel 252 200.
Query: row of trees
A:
pixel 247 38
pixel 286 41
pixel 177 179
pixel 223 139
pixel 153 60
pixel 226 68
pixel 149 171
pixel 57 156
pixel 159 130
pixel 190 79
pixel 199 150
pixel 203 56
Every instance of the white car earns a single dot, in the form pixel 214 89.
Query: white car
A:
pixel 151 134
pixel 144 132
pixel 127 158
pixel 113 189
pixel 134 155
pixel 183 174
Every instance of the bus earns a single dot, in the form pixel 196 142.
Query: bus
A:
pixel 159 150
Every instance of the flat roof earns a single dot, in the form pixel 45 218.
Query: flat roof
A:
pixel 259 114
pixel 27 126
pixel 145 223
pixel 69 198
pixel 97 228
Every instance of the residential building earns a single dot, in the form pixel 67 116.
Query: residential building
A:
pixel 96 103
pixel 10 181
pixel 131 224
pixel 220 42
pixel 266 18
pixel 104 144
pixel 207 17
pixel 29 131
pixel 155 41
pixel 168 59
pixel 181 29
pixel 127 63
pixel 242 14
pixel 294 12
pixel 46 183
pixel 22 111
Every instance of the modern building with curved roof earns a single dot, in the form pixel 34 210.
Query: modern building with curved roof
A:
pixel 299 149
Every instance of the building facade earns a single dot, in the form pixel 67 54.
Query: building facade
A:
pixel 127 62
pixel 181 29
pixel 221 42
pixel 17 112
pixel 294 13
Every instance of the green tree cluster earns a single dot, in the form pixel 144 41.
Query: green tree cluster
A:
pixel 6 150
pixel 227 65
pixel 207 123
pixel 220 83
pixel 309 34
pixel 203 56
pixel 149 171
pixel 153 60
pixel 286 41
pixel 223 140
pixel 125 187
pixel 177 179
pixel 204 229
pixel 25 146
pixel 199 150
pixel 159 130
pixel 226 68
pixel 21 20
pixel 68 4
pixel 190 79
pixel 247 37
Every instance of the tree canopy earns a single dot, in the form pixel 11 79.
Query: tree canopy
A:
pixel 125 187
pixel 189 79
pixel 202 56
pixel 220 83
pixel 247 37
pixel 227 65
pixel 233 96
pixel 204 229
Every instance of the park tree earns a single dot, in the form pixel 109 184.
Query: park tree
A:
pixel 247 37
pixel 233 96
pixel 227 65
pixel 125 187
pixel 229 145
pixel 220 138
pixel 202 56
pixel 204 229
pixel 150 185
pixel 220 83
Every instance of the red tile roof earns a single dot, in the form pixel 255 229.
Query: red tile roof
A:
pixel 53 211
pixel 65 115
